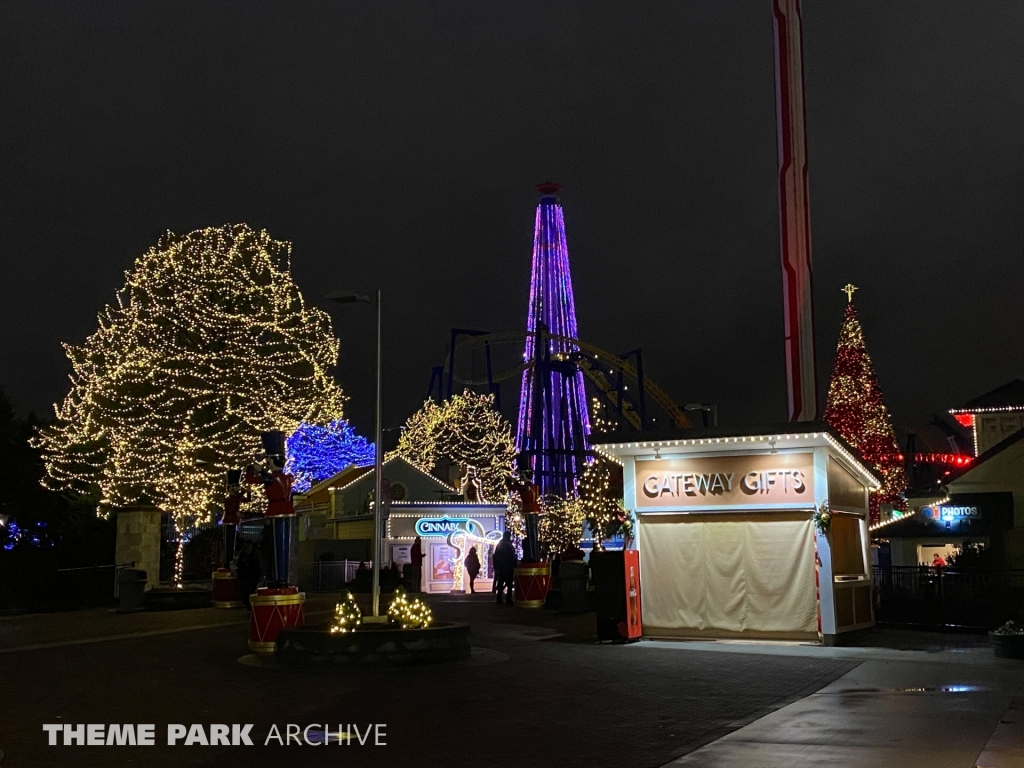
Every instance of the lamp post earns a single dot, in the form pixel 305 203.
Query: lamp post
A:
pixel 347 297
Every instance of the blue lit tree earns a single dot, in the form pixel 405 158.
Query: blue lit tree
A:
pixel 318 452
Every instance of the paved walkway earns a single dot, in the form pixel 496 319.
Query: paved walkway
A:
pixel 38 631
pixel 543 695
pixel 906 709
pixel 539 693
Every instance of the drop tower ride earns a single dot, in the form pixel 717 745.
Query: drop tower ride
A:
pixel 553 425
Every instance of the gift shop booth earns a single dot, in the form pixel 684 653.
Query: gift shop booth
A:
pixel 759 533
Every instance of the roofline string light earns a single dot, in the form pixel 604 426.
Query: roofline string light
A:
pixel 872 481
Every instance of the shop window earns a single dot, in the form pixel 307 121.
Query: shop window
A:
pixel 844 490
pixel 847 546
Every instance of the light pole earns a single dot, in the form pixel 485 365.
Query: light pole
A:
pixel 347 297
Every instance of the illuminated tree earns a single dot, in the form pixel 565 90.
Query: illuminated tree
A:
pixel 347 616
pixel 600 491
pixel 856 411
pixel 409 612
pixel 561 526
pixel 467 431
pixel 317 452
pixel 208 344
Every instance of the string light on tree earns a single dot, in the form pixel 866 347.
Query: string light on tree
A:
pixel 561 526
pixel 208 344
pixel 317 452
pixel 598 423
pixel 600 500
pixel 465 430
pixel 856 410
pixel 409 613
pixel 347 616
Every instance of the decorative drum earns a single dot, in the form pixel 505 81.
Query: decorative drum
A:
pixel 532 583
pixel 225 589
pixel 272 611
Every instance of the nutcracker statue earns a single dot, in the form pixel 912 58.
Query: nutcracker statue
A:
pixel 278 605
pixel 225 584
pixel 232 513
pixel 533 576
pixel 277 487
pixel 529 497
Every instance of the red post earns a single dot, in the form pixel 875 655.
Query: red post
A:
pixel 794 211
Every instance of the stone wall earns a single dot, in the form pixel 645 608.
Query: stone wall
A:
pixel 138 540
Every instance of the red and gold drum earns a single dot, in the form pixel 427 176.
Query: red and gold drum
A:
pixel 272 611
pixel 225 589
pixel 532 583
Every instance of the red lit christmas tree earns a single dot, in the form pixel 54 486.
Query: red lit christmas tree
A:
pixel 856 411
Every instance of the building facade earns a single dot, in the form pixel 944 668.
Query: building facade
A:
pixel 727 534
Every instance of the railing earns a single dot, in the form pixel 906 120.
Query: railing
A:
pixel 61 589
pixel 93 582
pixel 949 596
pixel 326 575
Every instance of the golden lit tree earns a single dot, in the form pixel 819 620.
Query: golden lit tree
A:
pixel 561 526
pixel 209 344
pixel 600 498
pixel 467 431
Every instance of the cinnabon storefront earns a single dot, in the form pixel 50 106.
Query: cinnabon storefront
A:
pixel 728 539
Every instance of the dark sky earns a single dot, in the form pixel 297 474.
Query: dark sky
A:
pixel 397 144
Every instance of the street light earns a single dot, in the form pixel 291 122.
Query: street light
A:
pixel 348 297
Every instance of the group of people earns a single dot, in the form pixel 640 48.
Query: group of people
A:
pixel 250 569
pixel 504 560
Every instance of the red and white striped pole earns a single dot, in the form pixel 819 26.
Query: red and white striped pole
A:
pixel 794 211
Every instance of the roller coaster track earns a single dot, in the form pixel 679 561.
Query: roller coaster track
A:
pixel 588 357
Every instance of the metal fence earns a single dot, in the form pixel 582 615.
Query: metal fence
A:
pixel 61 589
pixel 965 597
pixel 326 575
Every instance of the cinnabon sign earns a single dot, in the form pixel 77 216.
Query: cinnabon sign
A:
pixel 712 481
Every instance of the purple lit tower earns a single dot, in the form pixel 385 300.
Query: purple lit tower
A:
pixel 553 422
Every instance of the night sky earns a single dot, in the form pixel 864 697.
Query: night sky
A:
pixel 397 144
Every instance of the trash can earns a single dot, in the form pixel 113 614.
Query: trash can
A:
pixel 131 589
pixel 573 574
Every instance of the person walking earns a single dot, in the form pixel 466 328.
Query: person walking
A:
pixel 249 572
pixel 504 567
pixel 415 565
pixel 472 568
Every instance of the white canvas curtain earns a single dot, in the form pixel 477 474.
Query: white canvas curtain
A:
pixel 732 573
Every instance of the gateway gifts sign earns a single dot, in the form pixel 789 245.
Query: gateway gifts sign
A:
pixel 776 480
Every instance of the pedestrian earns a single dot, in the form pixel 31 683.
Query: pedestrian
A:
pixel 415 565
pixel 249 572
pixel 504 567
pixel 472 568
pixel 938 562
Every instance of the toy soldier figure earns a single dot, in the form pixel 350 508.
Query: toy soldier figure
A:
pixel 277 487
pixel 225 585
pixel 232 514
pixel 529 495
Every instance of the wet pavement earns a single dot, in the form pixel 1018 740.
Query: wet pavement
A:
pixel 938 708
pixel 538 691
